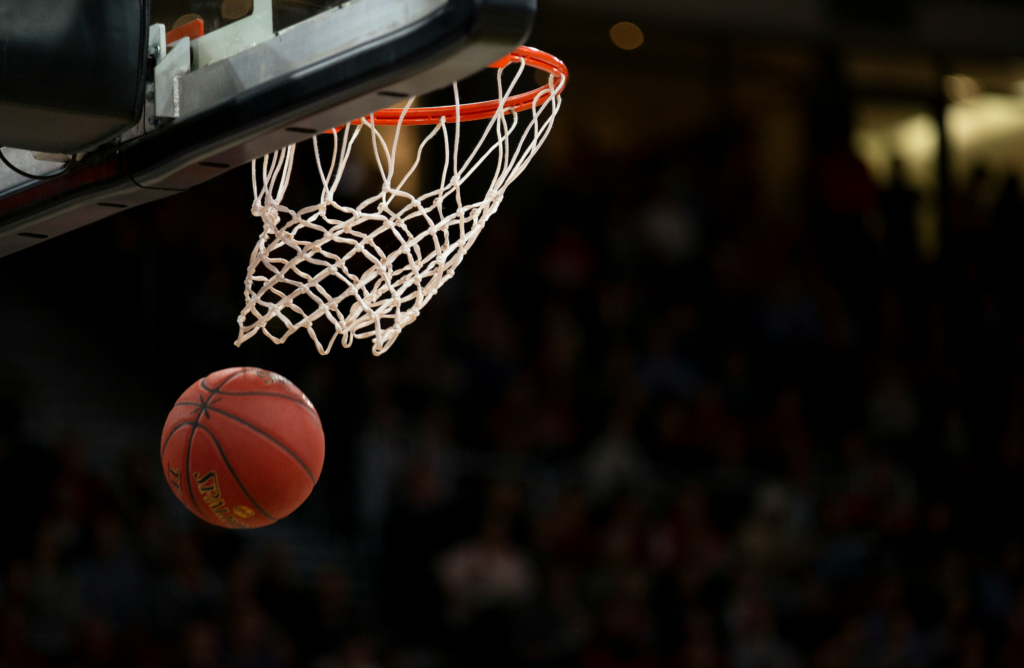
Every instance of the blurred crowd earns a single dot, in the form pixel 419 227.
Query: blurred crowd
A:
pixel 648 425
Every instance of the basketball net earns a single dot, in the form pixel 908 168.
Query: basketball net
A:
pixel 367 272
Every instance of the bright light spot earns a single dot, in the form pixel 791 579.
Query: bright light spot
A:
pixel 960 87
pixel 988 130
pixel 913 140
pixel 627 36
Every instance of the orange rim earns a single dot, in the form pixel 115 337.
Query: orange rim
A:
pixel 479 111
pixel 192 30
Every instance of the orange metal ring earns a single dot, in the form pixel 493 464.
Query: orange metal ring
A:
pixel 478 111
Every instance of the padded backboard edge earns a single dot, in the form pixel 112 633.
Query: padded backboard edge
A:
pixel 463 38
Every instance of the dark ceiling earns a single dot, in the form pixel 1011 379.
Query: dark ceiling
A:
pixel 978 26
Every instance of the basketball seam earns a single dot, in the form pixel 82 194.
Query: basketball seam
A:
pixel 178 426
pixel 226 380
pixel 188 470
pixel 234 475
pixel 300 402
pixel 269 438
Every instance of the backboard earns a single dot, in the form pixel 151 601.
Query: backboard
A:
pixel 229 81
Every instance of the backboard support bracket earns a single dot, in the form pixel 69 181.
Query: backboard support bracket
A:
pixel 236 37
pixel 167 79
pixel 314 75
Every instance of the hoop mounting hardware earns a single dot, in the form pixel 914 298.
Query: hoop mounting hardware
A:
pixel 480 111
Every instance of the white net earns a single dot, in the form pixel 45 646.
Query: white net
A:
pixel 367 272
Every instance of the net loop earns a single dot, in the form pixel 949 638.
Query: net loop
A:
pixel 345 273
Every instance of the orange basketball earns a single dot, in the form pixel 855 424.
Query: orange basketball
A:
pixel 242 448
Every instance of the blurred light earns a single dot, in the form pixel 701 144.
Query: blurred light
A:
pixel 627 36
pixel 988 130
pixel 960 87
pixel 914 140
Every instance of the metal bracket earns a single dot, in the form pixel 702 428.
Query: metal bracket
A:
pixel 158 41
pixel 53 157
pixel 158 50
pixel 166 79
pixel 236 37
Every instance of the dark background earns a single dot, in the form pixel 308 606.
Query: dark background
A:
pixel 717 386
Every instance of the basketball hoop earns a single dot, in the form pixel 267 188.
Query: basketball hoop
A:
pixel 367 272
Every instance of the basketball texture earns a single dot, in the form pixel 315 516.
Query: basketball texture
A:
pixel 242 448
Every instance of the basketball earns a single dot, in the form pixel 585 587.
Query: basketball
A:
pixel 242 448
